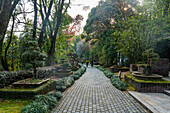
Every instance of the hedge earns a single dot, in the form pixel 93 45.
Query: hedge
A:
pixel 8 77
pixel 64 83
pixel 115 80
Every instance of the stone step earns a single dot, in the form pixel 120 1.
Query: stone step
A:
pixel 167 92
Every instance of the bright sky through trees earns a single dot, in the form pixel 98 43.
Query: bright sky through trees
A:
pixel 76 7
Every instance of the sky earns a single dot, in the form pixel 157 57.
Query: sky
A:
pixel 77 8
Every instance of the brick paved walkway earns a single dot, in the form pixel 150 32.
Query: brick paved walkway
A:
pixel 93 93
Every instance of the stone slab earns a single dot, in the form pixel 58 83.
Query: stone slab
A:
pixel 154 102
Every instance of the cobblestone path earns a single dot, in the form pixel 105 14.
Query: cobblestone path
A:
pixel 93 93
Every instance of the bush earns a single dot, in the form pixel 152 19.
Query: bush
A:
pixel 41 104
pixel 7 78
pixel 57 95
pixel 69 81
pixel 78 72
pixel 35 108
pixel 147 70
pixel 115 80
pixel 61 85
pixel 109 75
pixel 49 100
pixel 75 77
pixel 101 69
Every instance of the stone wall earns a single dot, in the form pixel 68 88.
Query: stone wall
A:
pixel 147 87
pixel 161 67
pixel 133 67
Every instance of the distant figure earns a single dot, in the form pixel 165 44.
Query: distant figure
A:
pixel 87 62
pixel 91 63
pixel 82 61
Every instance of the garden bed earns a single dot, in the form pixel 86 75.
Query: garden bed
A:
pixel 140 76
pixel 117 69
pixel 155 86
pixel 30 83
pixel 24 93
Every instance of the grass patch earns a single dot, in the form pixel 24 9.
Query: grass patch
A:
pixel 148 81
pixel 12 105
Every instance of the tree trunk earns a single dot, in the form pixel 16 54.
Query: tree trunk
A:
pixel 35 19
pixel 53 39
pixel 35 71
pixel 6 10
pixel 10 40
pixel 44 24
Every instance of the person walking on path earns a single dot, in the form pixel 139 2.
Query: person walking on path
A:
pixel 82 62
pixel 87 62
pixel 91 63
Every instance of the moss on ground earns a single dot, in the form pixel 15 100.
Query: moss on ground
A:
pixel 12 105
pixel 148 81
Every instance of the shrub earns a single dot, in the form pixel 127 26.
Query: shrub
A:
pixel 35 108
pixel 106 71
pixel 7 78
pixel 147 70
pixel 69 81
pixel 75 77
pixel 49 100
pixel 101 69
pixel 115 80
pixel 61 85
pixel 58 95
pixel 78 72
pixel 109 75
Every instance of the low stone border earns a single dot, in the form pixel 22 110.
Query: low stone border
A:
pixel 147 87
pixel 26 94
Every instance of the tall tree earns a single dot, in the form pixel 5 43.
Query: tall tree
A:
pixel 47 14
pixel 61 4
pixel 6 9
pixel 35 19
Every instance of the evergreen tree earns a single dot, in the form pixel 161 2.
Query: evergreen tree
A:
pixel 32 56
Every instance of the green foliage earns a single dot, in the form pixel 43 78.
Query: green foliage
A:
pixel 32 57
pixel 129 32
pixel 115 80
pixel 75 77
pixel 149 55
pixel 13 53
pixel 73 60
pixel 162 48
pixel 15 105
pixel 101 69
pixel 35 108
pixel 57 95
pixel 147 70
pixel 61 85
pixel 49 100
pixel 41 104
